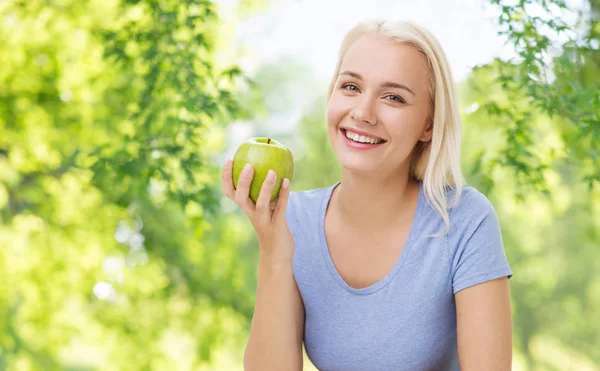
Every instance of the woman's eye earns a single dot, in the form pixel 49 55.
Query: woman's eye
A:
pixel 396 98
pixel 350 87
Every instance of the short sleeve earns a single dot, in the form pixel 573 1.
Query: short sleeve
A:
pixel 479 254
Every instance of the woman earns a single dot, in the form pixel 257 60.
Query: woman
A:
pixel 400 265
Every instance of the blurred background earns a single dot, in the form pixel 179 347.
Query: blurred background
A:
pixel 117 249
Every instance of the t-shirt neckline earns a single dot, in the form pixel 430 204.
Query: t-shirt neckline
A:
pixel 401 259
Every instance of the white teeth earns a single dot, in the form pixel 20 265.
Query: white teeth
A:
pixel 361 138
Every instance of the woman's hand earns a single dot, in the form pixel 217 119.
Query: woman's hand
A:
pixel 268 218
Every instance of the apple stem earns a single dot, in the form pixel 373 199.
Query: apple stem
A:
pixel 268 140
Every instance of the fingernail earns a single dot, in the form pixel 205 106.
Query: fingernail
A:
pixel 286 183
pixel 270 175
pixel 247 169
pixel 228 162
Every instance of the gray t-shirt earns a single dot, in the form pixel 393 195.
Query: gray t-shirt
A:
pixel 407 320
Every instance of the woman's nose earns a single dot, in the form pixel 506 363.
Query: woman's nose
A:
pixel 363 112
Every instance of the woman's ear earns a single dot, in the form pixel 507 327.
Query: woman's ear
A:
pixel 428 133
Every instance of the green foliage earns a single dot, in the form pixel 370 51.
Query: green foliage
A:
pixel 551 238
pixel 538 115
pixel 555 73
pixel 110 114
pixel 317 166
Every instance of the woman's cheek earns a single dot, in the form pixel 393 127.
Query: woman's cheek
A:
pixel 336 109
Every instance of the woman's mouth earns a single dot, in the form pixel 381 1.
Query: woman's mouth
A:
pixel 361 142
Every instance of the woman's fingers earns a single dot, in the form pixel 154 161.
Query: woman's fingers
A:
pixel 242 191
pixel 282 201
pixel 227 179
pixel 263 207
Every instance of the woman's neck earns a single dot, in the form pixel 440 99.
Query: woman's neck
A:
pixel 374 203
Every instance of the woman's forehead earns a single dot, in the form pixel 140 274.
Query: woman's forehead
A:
pixel 374 58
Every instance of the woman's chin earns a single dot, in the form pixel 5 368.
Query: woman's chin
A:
pixel 358 166
pixel 360 162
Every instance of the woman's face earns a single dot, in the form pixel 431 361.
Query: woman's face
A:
pixel 382 93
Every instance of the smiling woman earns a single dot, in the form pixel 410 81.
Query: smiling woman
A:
pixel 408 56
pixel 399 265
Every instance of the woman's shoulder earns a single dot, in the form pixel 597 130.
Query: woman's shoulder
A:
pixel 309 201
pixel 475 245
pixel 465 209
pixel 312 195
pixel 469 209
pixel 470 201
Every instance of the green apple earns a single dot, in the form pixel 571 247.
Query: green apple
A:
pixel 263 154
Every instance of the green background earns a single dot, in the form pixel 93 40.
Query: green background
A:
pixel 117 249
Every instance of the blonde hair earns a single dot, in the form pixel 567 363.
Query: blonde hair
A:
pixel 436 162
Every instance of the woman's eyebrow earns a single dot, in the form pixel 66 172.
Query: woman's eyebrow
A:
pixel 384 85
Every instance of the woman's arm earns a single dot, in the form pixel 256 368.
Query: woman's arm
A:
pixel 275 341
pixel 484 326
